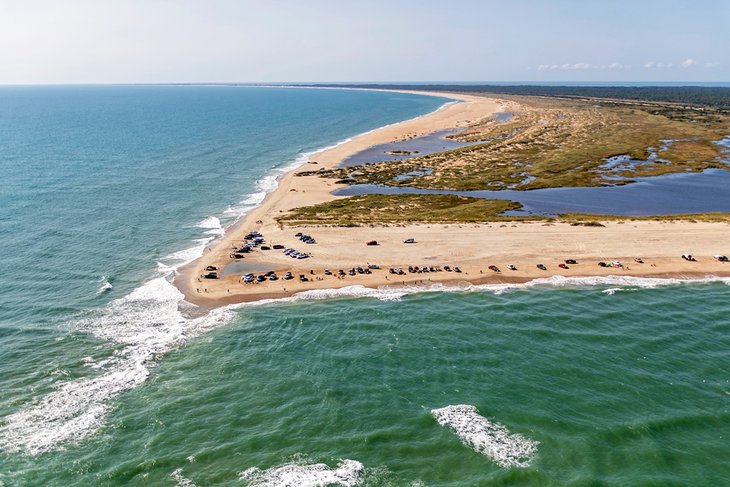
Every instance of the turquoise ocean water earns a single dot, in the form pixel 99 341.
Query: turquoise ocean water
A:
pixel 107 378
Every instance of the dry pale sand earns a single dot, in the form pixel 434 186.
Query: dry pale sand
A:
pixel 471 247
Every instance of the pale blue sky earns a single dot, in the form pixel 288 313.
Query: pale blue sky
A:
pixel 157 41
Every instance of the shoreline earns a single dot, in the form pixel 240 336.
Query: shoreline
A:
pixel 478 246
pixel 183 277
pixel 495 284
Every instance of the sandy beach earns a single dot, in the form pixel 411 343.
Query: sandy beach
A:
pixel 472 248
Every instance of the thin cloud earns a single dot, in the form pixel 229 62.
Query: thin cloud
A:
pixel 687 63
pixel 653 65
pixel 563 67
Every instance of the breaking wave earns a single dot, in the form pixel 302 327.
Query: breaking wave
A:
pixel 396 292
pixel 181 481
pixel 105 285
pixel 145 324
pixel 347 474
pixel 483 436
pixel 212 225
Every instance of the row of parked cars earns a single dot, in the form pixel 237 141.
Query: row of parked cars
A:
pixel 295 254
pixel 307 239
pixel 269 276
pixel 367 269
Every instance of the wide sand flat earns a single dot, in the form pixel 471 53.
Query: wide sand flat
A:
pixel 471 247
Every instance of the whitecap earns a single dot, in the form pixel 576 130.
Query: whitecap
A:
pixel 180 480
pixel 105 285
pixel 486 437
pixel 347 474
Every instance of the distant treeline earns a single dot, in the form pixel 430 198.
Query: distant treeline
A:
pixel 718 97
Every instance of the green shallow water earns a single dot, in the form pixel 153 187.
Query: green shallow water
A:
pixel 122 384
pixel 624 389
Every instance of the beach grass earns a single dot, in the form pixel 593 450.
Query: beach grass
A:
pixel 382 209
pixel 553 143
pixel 404 208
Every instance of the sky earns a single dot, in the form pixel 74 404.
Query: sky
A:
pixel 185 41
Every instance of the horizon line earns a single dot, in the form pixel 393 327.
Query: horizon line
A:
pixel 421 83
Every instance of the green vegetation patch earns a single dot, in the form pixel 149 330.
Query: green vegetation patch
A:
pixel 553 143
pixel 403 208
pixel 379 209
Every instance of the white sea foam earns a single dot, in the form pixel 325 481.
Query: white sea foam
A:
pixel 396 292
pixel 270 182
pixel 622 281
pixel 612 290
pixel 175 260
pixel 147 323
pixel 483 436
pixel 347 474
pixel 212 225
pixel 383 294
pixel 181 481
pixel 246 204
pixel 105 285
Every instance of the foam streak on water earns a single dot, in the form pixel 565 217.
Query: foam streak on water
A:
pixel 395 293
pixel 147 323
pixel 483 436
pixel 347 474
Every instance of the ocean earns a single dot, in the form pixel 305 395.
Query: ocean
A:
pixel 107 378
